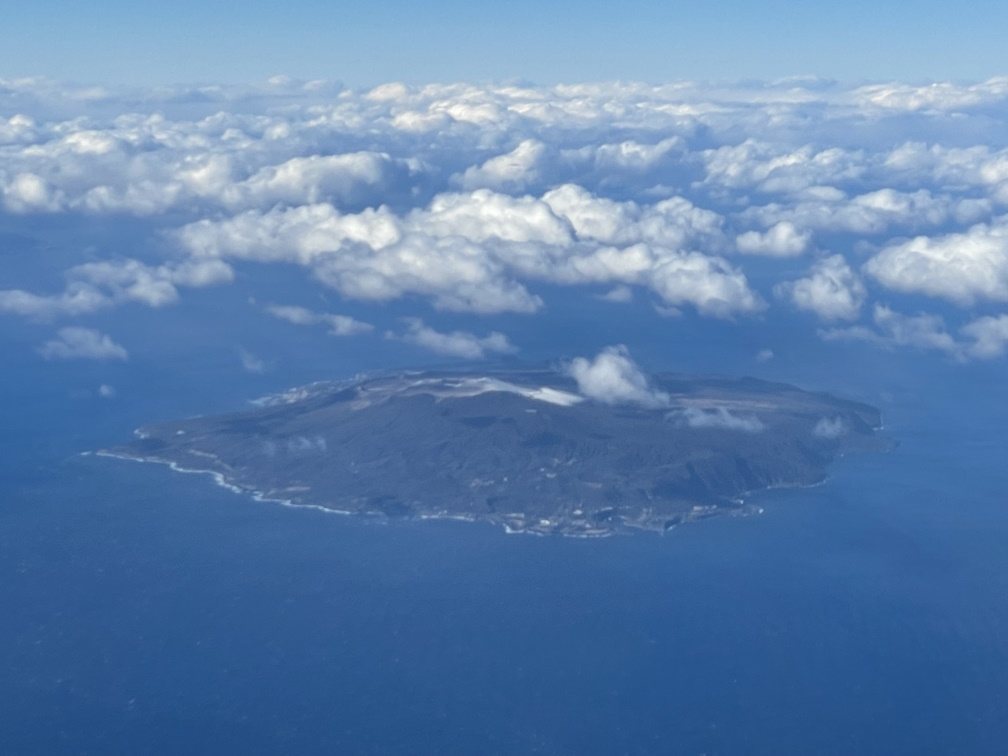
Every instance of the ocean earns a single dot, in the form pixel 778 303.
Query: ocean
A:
pixel 151 612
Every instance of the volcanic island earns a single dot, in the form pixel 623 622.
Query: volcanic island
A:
pixel 520 448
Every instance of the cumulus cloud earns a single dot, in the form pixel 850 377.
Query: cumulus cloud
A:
pixel 988 336
pixel 632 155
pixel 477 252
pixel 28 192
pixel 461 344
pixel 673 223
pixel 937 96
pixel 307 180
pixel 832 290
pixel 77 298
pixel 74 343
pixel 983 338
pixel 924 332
pixel 613 377
pixel 250 363
pixel 961 267
pixel 829 428
pixel 824 208
pixel 483 199
pixel 513 171
pixel 780 240
pixel 717 418
pixel 339 325
pixel 619 294
pixel 94 286
pixel 769 169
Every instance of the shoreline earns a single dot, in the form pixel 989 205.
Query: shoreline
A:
pixel 510 528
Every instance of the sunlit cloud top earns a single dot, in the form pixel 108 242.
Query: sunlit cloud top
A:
pixel 862 209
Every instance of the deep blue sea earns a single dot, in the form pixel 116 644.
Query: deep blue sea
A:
pixel 143 611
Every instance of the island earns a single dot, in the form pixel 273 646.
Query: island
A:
pixel 520 448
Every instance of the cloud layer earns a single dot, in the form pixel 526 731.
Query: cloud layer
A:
pixel 724 201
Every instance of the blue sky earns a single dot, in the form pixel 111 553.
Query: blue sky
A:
pixel 365 44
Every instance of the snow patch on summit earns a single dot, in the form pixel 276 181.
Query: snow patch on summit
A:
pixel 467 387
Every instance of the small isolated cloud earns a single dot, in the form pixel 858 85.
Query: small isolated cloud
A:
pixel 614 378
pixel 456 343
pixel 989 336
pixel 782 239
pixel 106 392
pixel 717 417
pixel 74 343
pixel 339 325
pixel 619 294
pixel 250 362
pixel 764 355
pixel 832 290
pixel 829 428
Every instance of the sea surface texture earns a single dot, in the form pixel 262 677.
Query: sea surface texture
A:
pixel 158 613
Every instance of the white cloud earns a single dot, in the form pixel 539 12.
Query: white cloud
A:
pixel 294 314
pixel 106 391
pixel 708 283
pixel 673 223
pixel 309 180
pixel 832 290
pixel 461 344
pixel 633 155
pixel 764 355
pixel 618 294
pixel 98 285
pixel 513 171
pixel 482 199
pixel 28 192
pixel 984 338
pixel 771 169
pixel 614 378
pixel 829 428
pixel 339 325
pixel 484 216
pixel 82 343
pixel 250 363
pixel 961 267
pixel 936 96
pixel 828 209
pixel 476 252
pixel 76 299
pixel 716 418
pixel 989 336
pixel 892 329
pixel 780 240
